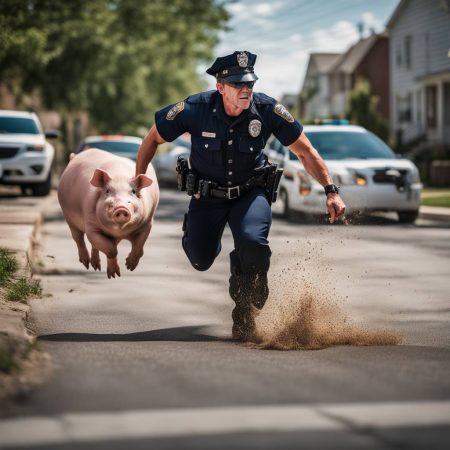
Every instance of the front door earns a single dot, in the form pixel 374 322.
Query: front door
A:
pixel 447 113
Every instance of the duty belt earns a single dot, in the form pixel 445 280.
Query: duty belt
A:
pixel 266 177
pixel 212 190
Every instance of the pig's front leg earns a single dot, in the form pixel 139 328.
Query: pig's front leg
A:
pixel 137 247
pixel 108 246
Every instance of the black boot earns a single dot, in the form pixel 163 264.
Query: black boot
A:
pixel 249 291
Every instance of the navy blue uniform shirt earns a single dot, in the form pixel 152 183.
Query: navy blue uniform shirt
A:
pixel 223 150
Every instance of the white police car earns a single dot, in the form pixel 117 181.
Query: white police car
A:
pixel 26 158
pixel 370 175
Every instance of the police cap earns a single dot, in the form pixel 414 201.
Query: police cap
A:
pixel 234 68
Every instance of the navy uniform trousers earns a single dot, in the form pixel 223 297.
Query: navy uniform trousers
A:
pixel 249 218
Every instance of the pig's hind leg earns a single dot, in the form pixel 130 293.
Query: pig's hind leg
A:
pixel 83 253
pixel 137 247
pixel 95 259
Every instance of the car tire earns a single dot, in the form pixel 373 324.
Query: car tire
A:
pixel 407 216
pixel 44 188
pixel 286 211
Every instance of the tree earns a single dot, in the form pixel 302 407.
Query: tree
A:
pixel 117 59
pixel 362 110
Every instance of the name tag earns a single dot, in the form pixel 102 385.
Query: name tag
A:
pixel 206 134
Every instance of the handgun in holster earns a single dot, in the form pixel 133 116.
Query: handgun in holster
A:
pixel 182 169
pixel 271 176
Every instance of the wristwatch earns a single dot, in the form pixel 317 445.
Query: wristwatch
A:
pixel 331 189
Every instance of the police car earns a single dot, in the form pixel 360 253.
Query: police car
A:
pixel 117 144
pixel 26 157
pixel 368 172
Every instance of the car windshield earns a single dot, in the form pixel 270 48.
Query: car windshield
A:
pixel 18 125
pixel 113 146
pixel 338 145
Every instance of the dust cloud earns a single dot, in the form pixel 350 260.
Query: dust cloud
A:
pixel 304 311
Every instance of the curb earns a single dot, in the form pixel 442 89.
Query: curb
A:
pixel 19 230
pixel 435 213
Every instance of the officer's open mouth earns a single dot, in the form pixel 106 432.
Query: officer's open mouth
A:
pixel 244 98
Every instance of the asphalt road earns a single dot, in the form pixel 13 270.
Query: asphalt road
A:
pixel 147 360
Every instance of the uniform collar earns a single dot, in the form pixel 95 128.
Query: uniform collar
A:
pixel 219 111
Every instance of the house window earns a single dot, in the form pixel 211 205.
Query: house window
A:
pixel 404 108
pixel 398 56
pixel 431 105
pixel 407 50
pixel 419 108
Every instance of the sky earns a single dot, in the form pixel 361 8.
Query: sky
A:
pixel 282 33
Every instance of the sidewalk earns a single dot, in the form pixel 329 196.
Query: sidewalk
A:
pixel 435 213
pixel 20 221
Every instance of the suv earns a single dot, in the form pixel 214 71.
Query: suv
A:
pixel 371 176
pixel 26 158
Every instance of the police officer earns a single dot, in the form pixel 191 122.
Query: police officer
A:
pixel 229 128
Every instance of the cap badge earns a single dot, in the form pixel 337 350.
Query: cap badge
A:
pixel 254 128
pixel 175 110
pixel 242 59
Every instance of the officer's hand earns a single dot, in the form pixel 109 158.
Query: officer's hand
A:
pixel 335 205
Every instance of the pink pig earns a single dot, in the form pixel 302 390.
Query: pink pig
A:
pixel 100 196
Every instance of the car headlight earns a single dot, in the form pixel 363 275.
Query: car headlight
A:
pixel 35 148
pixel 305 183
pixel 413 176
pixel 351 178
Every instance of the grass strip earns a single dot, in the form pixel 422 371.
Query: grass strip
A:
pixel 8 265
pixel 443 202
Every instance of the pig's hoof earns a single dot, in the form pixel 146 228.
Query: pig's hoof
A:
pixel 113 270
pixel 131 262
pixel 85 263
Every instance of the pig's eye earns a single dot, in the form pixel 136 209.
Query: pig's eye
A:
pixel 108 191
pixel 133 191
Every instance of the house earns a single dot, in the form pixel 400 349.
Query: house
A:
pixel 368 59
pixel 315 95
pixel 290 101
pixel 420 71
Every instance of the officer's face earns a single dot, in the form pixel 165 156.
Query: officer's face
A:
pixel 235 98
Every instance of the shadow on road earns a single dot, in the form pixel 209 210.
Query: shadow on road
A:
pixel 184 334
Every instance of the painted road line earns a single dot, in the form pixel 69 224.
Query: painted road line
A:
pixel 109 426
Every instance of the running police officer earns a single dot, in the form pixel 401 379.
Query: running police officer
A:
pixel 230 179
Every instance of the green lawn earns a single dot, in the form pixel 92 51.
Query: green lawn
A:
pixel 436 197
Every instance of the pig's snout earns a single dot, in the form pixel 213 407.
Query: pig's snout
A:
pixel 121 215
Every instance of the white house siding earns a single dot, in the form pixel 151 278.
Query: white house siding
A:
pixel 428 26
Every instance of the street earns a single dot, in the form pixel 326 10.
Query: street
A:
pixel 147 360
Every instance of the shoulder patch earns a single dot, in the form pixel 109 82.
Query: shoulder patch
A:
pixel 281 111
pixel 175 110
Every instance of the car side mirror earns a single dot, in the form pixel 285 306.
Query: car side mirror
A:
pixel 52 134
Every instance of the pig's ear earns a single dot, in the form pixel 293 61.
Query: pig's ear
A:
pixel 142 181
pixel 100 178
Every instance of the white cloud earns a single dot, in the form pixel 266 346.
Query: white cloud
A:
pixel 335 39
pixel 371 22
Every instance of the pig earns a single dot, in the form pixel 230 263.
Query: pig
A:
pixel 100 197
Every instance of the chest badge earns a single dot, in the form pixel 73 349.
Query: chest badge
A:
pixel 254 128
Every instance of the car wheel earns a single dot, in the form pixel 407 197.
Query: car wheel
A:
pixel 407 216
pixel 284 203
pixel 42 189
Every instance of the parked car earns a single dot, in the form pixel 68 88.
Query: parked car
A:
pixel 371 176
pixel 26 157
pixel 117 144
pixel 165 163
